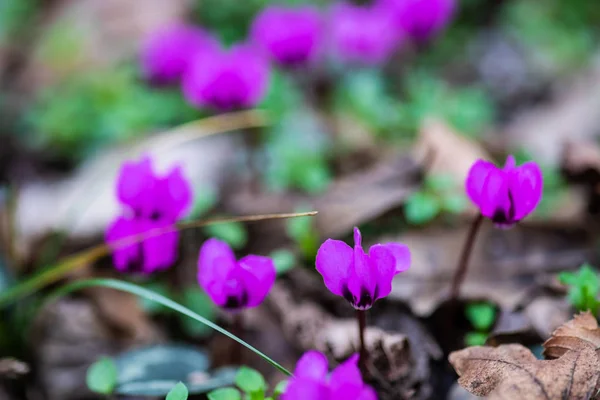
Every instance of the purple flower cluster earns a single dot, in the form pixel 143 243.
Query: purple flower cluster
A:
pixel 226 79
pixel 150 202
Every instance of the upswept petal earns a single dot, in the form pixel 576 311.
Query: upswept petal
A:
pixel 312 365
pixel 178 194
pixel 401 254
pixel 476 179
pixel 304 389
pixel 215 262
pixel 346 381
pixel 135 178
pixel 128 256
pixel 368 393
pixel 160 251
pixel 334 263
pixel 258 275
pixel 383 268
pixel 494 195
pixel 526 185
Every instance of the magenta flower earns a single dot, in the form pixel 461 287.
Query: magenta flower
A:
pixel 505 195
pixel 359 277
pixel 167 53
pixel 420 19
pixel 227 79
pixel 291 36
pixel 232 284
pixel 150 202
pixel 310 380
pixel 363 35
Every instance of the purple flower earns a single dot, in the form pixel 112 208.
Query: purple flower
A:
pixel 363 35
pixel 359 277
pixel 420 19
pixel 150 203
pixel 168 51
pixel 292 36
pixel 505 195
pixel 310 380
pixel 232 284
pixel 227 79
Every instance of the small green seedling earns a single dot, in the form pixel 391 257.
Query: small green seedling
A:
pixel 252 384
pixel 584 286
pixel 437 195
pixel 481 316
pixel 305 235
pixel 102 376
pixel 179 392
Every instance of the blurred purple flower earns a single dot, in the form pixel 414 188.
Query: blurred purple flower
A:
pixel 420 19
pixel 232 284
pixel 310 380
pixel 359 277
pixel 361 34
pixel 167 53
pixel 505 195
pixel 227 79
pixel 291 36
pixel 150 202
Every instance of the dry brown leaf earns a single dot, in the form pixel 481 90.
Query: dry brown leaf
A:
pixel 512 371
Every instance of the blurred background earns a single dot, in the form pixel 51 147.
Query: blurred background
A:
pixel 371 132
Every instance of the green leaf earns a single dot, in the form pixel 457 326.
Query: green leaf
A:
pixel 421 208
pixel 179 392
pixel 225 394
pixel 284 260
pixel 102 376
pixel 440 182
pixel 152 307
pixel 234 233
pixel 280 389
pixel 140 291
pixel 475 338
pixel 481 315
pixel 454 203
pixel 250 380
pixel 567 278
pixel 198 301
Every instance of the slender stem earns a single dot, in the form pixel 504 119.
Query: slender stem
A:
pixel 237 328
pixel 361 316
pixel 463 262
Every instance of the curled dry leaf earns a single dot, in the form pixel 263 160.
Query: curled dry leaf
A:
pixel 513 372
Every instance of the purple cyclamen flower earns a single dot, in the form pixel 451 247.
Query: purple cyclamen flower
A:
pixel 227 79
pixel 505 195
pixel 311 380
pixel 150 202
pixel 232 284
pixel 292 36
pixel 359 277
pixel 167 53
pixel 361 34
pixel 420 19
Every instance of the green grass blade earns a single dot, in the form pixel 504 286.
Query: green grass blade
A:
pixel 152 296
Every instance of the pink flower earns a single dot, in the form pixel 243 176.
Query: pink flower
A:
pixel 233 284
pixel 361 34
pixel 227 79
pixel 420 19
pixel 150 202
pixel 310 380
pixel 359 277
pixel 505 195
pixel 167 53
pixel 291 36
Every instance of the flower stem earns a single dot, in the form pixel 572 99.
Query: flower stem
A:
pixel 237 328
pixel 463 262
pixel 361 316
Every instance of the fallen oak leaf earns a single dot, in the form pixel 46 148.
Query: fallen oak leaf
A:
pixel 513 372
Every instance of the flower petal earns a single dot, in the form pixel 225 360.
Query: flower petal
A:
pixel 476 179
pixel 382 268
pixel 367 393
pixel 526 185
pixel 401 255
pixel 313 365
pixel 215 262
pixel 305 389
pixel 346 381
pixel 160 251
pixel 334 262
pixel 175 194
pixel 494 197
pixel 262 271
pixel 134 181
pixel 126 257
